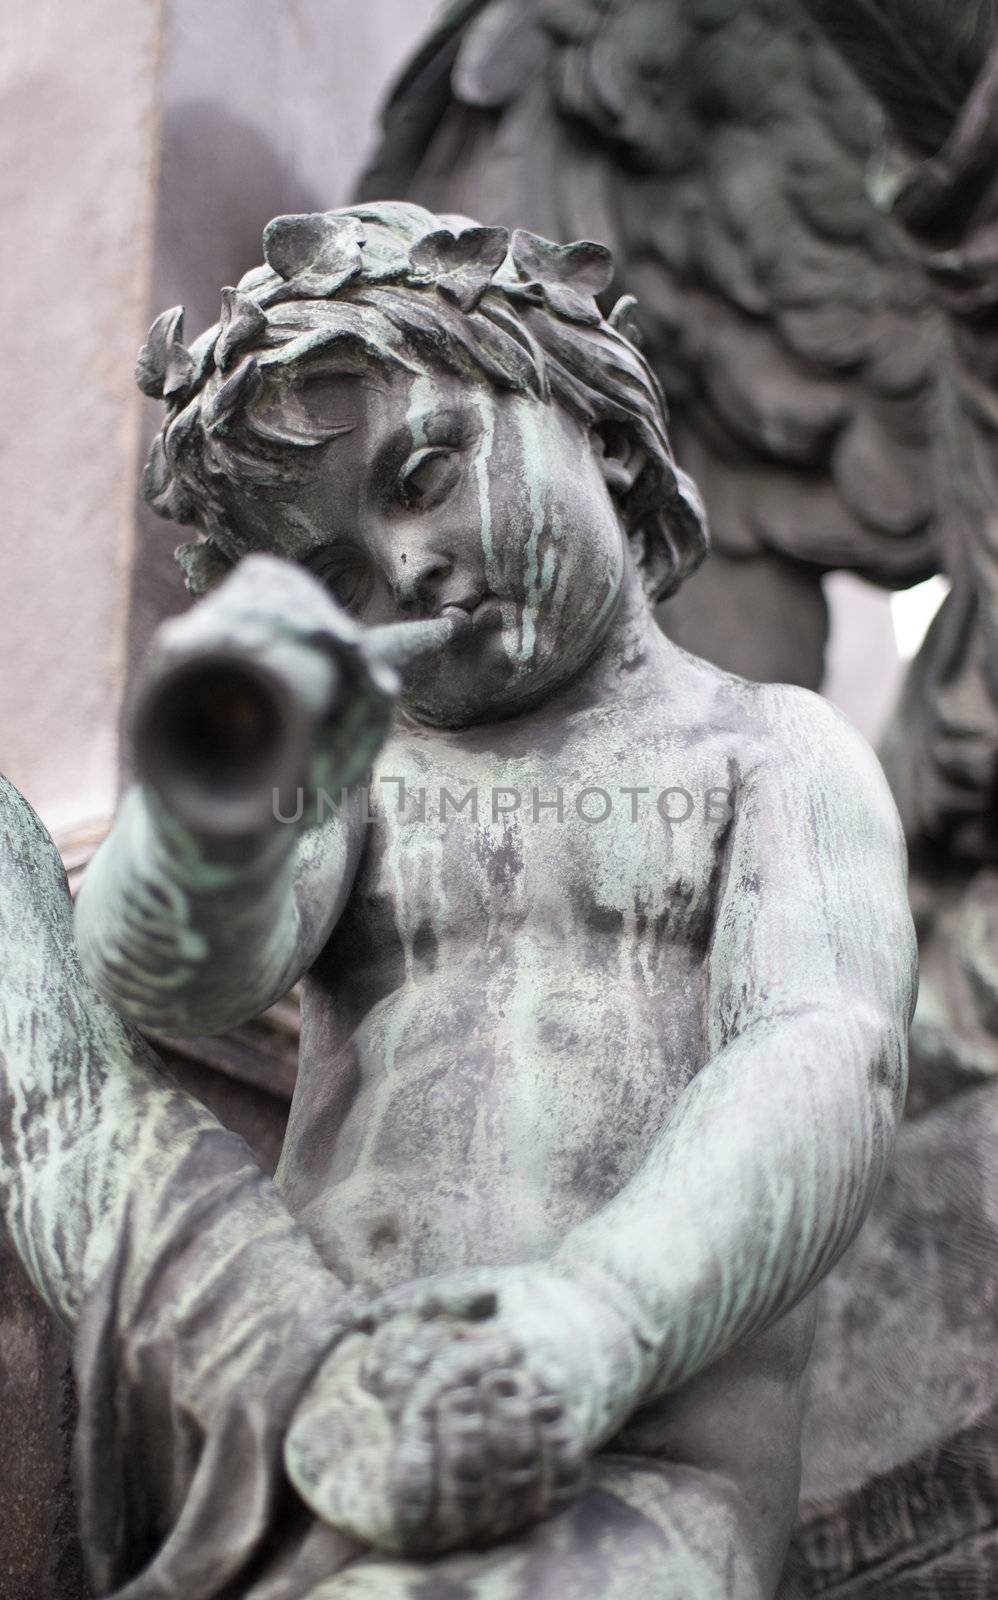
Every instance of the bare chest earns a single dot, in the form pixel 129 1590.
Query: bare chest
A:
pixel 513 998
pixel 605 844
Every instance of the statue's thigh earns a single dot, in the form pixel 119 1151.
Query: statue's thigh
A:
pixel 642 1532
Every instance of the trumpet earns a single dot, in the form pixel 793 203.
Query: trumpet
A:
pixel 223 733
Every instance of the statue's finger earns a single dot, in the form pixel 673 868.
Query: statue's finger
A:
pixel 465 1506
pixel 519 1485
pixel 548 1410
pixel 413 1479
pixel 507 1398
pixel 566 1465
pixel 462 1441
pixel 510 1388
pixel 564 1459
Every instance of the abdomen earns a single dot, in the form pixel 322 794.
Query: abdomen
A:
pixel 494 1106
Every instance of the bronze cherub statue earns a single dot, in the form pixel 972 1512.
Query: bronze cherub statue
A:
pixel 607 972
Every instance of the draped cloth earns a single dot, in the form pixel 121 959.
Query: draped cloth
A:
pixel 192 1352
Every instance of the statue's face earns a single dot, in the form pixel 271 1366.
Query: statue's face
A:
pixel 440 493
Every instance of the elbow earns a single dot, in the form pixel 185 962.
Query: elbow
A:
pixel 882 1055
pixel 865 1045
pixel 869 1094
pixel 869 1039
pixel 856 1048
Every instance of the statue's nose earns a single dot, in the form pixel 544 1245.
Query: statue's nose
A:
pixel 415 575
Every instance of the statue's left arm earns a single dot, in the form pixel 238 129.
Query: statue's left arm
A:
pixel 773 1154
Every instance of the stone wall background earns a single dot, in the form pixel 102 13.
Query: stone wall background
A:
pixel 146 144
pixel 78 127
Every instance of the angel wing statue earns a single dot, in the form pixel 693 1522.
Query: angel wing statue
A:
pixel 725 152
pixel 934 69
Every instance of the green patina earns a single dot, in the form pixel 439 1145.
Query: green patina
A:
pixel 585 1108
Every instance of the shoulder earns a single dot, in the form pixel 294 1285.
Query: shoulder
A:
pixel 777 727
pixel 811 776
pixel 794 755
pixel 800 731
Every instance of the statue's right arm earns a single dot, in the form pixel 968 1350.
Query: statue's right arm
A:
pixel 192 918
pixel 184 944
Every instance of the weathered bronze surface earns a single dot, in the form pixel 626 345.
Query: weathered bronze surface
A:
pixel 736 169
pixel 608 968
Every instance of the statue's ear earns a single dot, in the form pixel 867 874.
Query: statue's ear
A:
pixel 621 457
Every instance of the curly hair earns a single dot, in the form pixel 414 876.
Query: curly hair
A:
pixel 391 283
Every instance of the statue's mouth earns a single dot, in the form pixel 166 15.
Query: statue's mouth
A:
pixel 477 607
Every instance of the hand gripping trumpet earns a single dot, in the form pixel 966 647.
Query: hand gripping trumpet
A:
pixel 241 689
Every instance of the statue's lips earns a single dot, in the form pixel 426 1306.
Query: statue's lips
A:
pixel 479 611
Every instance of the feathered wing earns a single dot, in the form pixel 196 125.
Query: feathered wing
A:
pixel 918 57
pixel 934 65
pixel 722 149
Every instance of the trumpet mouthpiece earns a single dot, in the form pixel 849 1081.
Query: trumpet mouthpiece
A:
pixel 400 644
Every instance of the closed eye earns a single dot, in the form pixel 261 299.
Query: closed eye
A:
pixel 429 476
pixel 345 573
